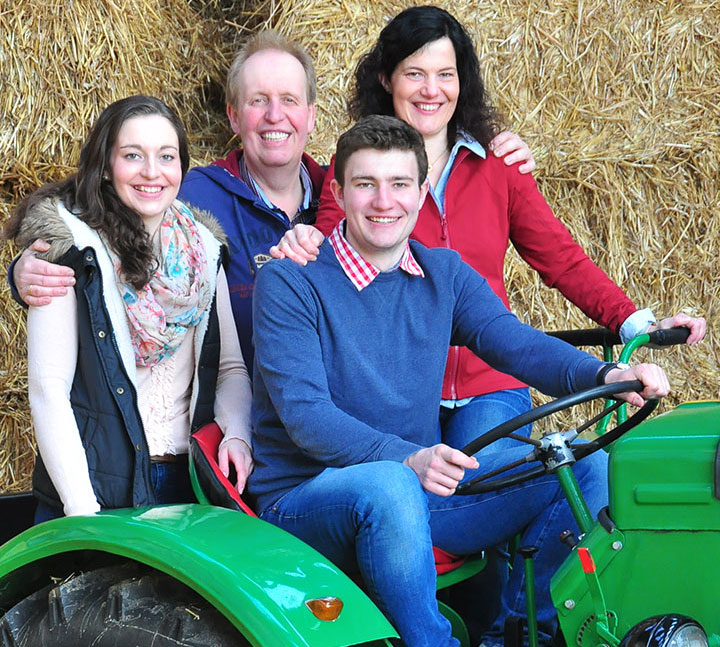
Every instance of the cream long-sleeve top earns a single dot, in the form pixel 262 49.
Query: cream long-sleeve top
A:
pixel 164 395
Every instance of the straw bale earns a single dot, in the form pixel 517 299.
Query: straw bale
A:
pixel 63 62
pixel 17 451
pixel 617 99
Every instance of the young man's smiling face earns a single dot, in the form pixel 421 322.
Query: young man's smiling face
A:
pixel 381 197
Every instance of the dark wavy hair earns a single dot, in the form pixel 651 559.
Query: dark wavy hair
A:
pixel 410 31
pixel 93 198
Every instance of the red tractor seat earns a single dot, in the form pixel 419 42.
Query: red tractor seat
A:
pixel 210 485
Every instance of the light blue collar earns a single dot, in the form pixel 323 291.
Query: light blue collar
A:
pixel 463 141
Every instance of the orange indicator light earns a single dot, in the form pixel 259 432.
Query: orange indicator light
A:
pixel 327 609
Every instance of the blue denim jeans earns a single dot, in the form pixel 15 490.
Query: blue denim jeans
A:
pixel 46 512
pixel 460 425
pixel 376 521
pixel 477 599
pixel 171 482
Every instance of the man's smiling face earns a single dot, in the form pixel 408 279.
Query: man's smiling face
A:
pixel 381 197
pixel 272 116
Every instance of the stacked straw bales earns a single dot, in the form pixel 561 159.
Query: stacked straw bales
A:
pixel 617 99
pixel 61 63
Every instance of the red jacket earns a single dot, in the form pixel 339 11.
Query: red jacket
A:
pixel 488 204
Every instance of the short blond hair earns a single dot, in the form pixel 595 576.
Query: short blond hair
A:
pixel 265 40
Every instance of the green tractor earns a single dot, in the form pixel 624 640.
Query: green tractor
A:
pixel 641 575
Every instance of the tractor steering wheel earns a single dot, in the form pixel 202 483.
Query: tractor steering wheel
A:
pixel 486 482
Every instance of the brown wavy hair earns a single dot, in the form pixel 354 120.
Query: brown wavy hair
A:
pixel 380 133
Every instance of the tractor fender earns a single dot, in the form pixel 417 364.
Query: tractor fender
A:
pixel 257 575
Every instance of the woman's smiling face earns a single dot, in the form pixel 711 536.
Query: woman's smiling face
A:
pixel 145 166
pixel 425 87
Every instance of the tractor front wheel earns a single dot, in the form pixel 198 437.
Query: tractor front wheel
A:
pixel 117 606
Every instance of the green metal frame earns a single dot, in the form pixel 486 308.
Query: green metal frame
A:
pixel 254 573
pixel 625 354
pixel 457 624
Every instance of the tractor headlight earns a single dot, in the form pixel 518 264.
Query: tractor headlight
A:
pixel 688 635
pixel 666 631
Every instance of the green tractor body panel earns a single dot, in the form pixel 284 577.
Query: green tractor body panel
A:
pixel 257 575
pixel 662 474
pixel 657 553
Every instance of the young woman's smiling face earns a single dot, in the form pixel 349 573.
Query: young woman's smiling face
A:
pixel 425 87
pixel 145 166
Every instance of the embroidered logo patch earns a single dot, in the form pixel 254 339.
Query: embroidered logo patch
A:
pixel 261 259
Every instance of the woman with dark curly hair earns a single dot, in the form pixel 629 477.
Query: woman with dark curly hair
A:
pixel 380 72
pixel 144 349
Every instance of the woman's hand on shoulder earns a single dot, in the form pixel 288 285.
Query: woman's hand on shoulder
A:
pixel 300 244
pixel 37 281
pixel 514 151
pixel 237 452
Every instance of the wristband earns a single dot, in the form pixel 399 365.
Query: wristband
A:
pixel 602 373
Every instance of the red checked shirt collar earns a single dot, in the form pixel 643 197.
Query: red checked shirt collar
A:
pixel 360 271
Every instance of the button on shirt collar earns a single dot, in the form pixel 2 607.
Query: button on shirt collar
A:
pixel 357 269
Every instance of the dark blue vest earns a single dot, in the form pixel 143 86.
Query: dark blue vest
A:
pixel 104 399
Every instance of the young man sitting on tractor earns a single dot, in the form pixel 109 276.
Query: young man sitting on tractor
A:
pixel 350 353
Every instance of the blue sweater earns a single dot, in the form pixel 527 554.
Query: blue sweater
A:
pixel 344 377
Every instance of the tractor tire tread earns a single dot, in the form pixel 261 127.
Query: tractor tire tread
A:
pixel 115 606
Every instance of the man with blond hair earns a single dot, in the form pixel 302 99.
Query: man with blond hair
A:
pixel 261 190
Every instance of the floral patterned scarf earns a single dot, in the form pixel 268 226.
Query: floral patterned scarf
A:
pixel 178 295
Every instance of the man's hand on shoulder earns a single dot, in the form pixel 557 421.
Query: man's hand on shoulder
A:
pixel 651 375
pixel 440 468
pixel 300 244
pixel 38 281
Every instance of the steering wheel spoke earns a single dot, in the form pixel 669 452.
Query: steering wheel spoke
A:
pixel 554 449
pixel 525 439
pixel 506 468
